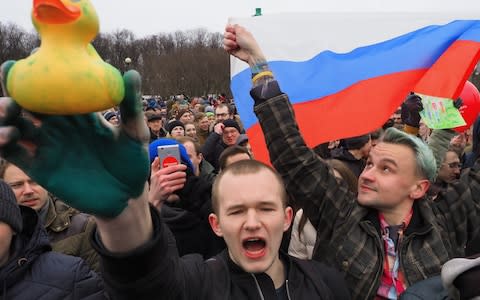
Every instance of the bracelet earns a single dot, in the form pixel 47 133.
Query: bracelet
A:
pixel 262 74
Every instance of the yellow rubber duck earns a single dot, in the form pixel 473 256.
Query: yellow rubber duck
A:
pixel 65 75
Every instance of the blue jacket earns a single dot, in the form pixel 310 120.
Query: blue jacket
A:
pixel 35 272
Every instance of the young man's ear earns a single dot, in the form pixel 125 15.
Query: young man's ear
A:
pixel 288 218
pixel 213 220
pixel 420 188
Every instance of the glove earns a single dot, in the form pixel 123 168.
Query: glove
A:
pixel 458 103
pixel 89 164
pixel 410 110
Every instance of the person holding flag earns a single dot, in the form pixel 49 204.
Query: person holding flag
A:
pixel 389 236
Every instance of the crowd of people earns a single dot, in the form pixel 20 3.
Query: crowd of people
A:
pixel 391 214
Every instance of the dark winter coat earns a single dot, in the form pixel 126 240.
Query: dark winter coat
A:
pixel 33 271
pixel 69 232
pixel 155 271
pixel 348 235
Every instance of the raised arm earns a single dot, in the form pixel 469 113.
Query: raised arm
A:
pixel 307 178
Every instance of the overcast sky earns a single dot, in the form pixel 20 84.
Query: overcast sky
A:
pixel 145 17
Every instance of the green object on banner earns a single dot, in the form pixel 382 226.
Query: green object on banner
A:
pixel 439 113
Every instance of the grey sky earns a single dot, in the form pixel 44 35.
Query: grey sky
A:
pixel 145 17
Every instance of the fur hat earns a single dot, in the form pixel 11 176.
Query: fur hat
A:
pixel 152 116
pixel 9 210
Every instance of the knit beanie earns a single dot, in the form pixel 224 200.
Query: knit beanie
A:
pixel 173 124
pixel 231 123
pixel 9 210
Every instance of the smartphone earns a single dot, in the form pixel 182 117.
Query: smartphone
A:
pixel 168 155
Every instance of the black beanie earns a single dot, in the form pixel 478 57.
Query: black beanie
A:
pixel 174 124
pixel 231 123
pixel 9 210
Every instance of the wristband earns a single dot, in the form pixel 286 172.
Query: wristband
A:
pixel 262 74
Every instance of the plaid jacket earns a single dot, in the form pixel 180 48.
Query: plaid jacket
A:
pixel 348 235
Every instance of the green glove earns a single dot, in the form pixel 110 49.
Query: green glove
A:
pixel 81 159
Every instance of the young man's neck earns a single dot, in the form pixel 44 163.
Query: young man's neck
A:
pixel 396 217
pixel 277 273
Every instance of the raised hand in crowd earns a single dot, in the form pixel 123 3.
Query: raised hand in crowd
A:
pixel 105 166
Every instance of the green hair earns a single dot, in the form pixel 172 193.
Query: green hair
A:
pixel 425 160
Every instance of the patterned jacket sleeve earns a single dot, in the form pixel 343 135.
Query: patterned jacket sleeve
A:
pixel 307 178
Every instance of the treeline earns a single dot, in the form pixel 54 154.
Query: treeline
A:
pixel 189 62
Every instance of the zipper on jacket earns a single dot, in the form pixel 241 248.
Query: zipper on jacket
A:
pixel 288 290
pixel 258 287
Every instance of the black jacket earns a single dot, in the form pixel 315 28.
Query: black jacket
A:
pixel 212 149
pixel 155 271
pixel 35 272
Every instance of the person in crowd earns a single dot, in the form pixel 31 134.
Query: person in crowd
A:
pixel 203 127
pixel 472 156
pixel 449 171
pixel 375 136
pixel 223 112
pixel 232 154
pixel 28 267
pixel 111 117
pixel 185 116
pixel 423 131
pixel 175 129
pixel 68 229
pixel 138 252
pixel 184 202
pixel 201 167
pixel 354 152
pixel 225 134
pixel 155 125
pixel 397 119
pixel 211 118
pixel 379 237
pixel 458 144
pixel 191 130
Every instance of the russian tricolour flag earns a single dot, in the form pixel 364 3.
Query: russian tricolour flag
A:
pixel 346 73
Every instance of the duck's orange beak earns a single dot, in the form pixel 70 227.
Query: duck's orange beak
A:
pixel 54 11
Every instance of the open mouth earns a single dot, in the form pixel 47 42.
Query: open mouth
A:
pixel 254 247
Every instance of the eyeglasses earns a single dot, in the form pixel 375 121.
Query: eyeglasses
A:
pixel 454 165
